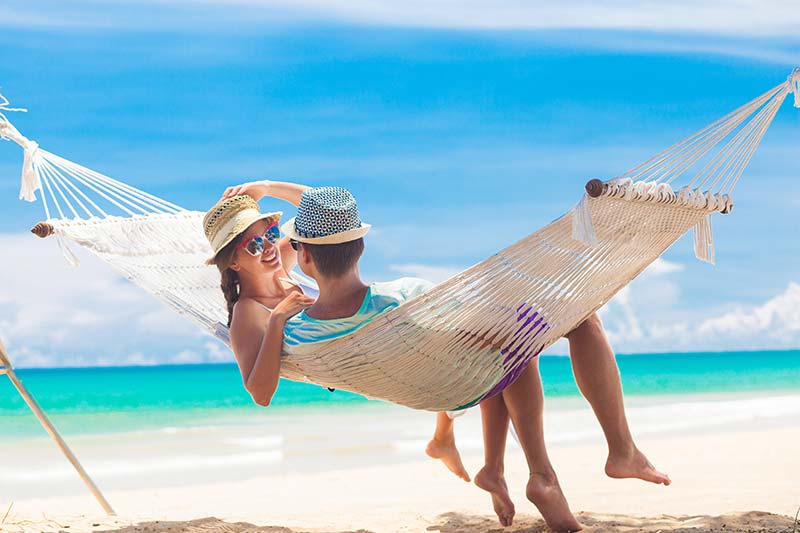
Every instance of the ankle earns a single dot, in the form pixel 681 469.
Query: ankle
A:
pixel 622 450
pixel 493 468
pixel 545 476
pixel 444 439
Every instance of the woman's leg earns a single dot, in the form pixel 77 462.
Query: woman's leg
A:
pixel 443 446
pixel 525 402
pixel 597 376
pixel 491 477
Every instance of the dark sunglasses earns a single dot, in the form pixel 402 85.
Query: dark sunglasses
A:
pixel 294 244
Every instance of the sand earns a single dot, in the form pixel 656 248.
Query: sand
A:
pixel 736 479
pixel 752 522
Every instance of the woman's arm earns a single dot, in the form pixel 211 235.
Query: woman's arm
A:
pixel 263 379
pixel 290 192
pixel 248 328
pixel 257 346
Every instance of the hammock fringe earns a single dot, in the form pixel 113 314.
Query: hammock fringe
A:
pixel 704 241
pixel 582 227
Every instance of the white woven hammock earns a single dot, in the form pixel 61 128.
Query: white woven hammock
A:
pixel 466 338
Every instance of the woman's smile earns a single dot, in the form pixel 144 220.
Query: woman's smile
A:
pixel 270 257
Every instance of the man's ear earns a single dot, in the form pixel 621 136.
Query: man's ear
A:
pixel 303 257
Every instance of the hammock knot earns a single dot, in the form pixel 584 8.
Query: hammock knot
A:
pixel 711 201
pixel 726 204
pixel 30 178
pixel 685 196
pixel 644 190
pixel 794 85
pixel 698 199
pixel 618 186
pixel 664 192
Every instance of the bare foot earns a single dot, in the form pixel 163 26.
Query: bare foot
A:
pixel 447 452
pixel 495 484
pixel 545 493
pixel 634 465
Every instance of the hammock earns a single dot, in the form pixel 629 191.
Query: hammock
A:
pixel 467 338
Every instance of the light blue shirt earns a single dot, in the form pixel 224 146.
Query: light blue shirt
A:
pixel 302 330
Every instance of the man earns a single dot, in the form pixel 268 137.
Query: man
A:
pixel 328 236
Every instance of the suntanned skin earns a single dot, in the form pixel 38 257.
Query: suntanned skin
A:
pixel 443 447
pixel 256 333
pixel 597 375
pixel 491 478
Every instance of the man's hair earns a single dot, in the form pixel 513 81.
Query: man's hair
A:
pixel 335 260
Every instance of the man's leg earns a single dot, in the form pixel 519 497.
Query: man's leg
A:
pixel 443 446
pixel 597 376
pixel 491 477
pixel 525 402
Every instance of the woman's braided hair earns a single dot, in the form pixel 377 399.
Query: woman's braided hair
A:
pixel 230 279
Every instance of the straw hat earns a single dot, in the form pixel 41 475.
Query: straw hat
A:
pixel 229 218
pixel 326 215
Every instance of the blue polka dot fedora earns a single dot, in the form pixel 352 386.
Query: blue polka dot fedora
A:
pixel 327 215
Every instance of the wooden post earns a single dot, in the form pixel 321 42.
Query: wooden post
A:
pixel 8 369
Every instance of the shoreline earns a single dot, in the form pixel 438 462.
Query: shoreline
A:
pixel 184 418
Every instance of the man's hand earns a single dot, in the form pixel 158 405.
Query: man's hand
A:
pixel 255 189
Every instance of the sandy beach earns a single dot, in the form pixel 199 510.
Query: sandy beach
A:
pixel 738 476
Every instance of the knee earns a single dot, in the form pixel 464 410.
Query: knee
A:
pixel 592 324
pixel 593 321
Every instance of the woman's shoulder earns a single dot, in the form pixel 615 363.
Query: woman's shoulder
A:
pixel 248 308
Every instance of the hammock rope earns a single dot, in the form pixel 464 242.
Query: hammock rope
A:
pixel 468 337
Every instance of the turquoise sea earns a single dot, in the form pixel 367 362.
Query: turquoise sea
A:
pixel 115 399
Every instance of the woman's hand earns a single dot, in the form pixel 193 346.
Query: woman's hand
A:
pixel 291 305
pixel 255 189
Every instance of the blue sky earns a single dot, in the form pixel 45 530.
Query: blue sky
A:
pixel 459 129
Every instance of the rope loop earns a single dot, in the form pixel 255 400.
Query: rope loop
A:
pixel 4 103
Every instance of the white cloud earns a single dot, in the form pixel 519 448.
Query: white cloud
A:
pixel 434 273
pixel 733 17
pixel 642 318
pixel 661 266
pixel 54 315
pixel 777 320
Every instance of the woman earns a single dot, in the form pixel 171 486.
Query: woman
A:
pixel 260 293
